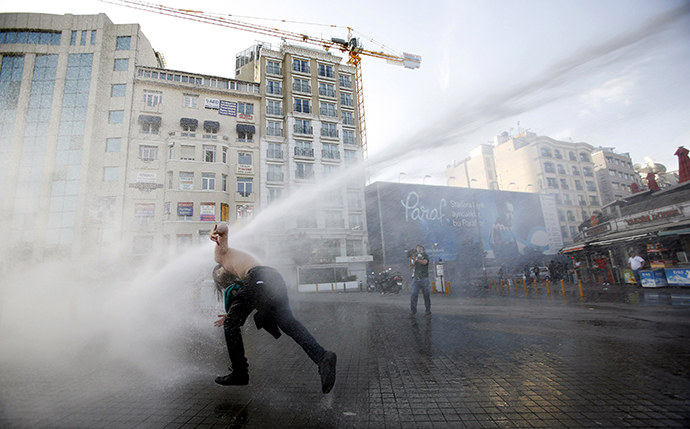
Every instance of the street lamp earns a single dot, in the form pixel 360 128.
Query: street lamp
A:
pixel 528 186
pixel 511 183
pixel 449 179
pixel 400 175
pixel 424 179
pixel 470 184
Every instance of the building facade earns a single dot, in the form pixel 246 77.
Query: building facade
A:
pixel 615 174
pixel 56 80
pixel 310 134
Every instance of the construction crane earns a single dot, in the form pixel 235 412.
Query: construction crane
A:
pixel 352 45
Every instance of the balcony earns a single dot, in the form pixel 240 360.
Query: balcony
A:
pixel 275 177
pixel 274 154
pixel 330 132
pixel 332 155
pixel 304 152
pixel 245 197
pixel 324 92
pixel 302 129
pixel 304 175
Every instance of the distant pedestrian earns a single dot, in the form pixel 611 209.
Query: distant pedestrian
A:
pixel 526 271
pixel 420 276
pixel 636 263
pixel 535 271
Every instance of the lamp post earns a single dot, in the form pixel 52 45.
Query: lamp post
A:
pixel 528 186
pixel 449 179
pixel 511 183
pixel 424 179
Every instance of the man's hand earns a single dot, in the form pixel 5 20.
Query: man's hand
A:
pixel 213 235
pixel 218 323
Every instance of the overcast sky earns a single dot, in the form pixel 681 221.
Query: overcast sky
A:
pixel 606 72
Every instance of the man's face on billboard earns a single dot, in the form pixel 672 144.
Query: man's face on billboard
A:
pixel 505 215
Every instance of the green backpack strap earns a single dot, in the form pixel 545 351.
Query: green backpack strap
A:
pixel 229 293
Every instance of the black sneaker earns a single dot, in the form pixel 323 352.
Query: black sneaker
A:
pixel 233 379
pixel 327 371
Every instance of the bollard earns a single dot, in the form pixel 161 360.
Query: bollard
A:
pixel 344 287
pixel 332 288
pixel 501 285
pixel 489 280
pixel 536 291
pixel 448 287
pixel 582 293
pixel 524 283
pixel 433 287
pixel 563 287
pixel 548 288
pixel 515 281
pixel 317 288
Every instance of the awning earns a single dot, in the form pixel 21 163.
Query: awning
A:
pixel 149 119
pixel 674 232
pixel 188 122
pixel 244 128
pixel 573 248
pixel 212 125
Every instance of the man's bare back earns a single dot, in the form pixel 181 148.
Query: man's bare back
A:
pixel 236 262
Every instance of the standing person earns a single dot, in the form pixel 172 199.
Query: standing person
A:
pixel 263 289
pixel 420 274
pixel 535 271
pixel 636 263
pixel 526 271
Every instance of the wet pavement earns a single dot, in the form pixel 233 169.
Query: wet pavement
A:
pixel 618 356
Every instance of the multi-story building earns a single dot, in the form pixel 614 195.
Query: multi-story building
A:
pixel 309 133
pixel 540 164
pixel 615 174
pixel 63 132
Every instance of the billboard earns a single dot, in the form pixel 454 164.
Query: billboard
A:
pixel 461 225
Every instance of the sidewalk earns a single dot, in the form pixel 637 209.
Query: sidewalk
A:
pixel 490 359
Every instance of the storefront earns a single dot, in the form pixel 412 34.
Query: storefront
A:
pixel 654 224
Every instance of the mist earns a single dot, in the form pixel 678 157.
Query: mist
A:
pixel 75 317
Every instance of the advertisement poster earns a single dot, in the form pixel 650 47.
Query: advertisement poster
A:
pixel 461 226
pixel 185 209
pixel 207 212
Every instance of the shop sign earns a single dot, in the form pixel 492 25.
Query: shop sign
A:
pixel 144 177
pixel 227 108
pixel 245 169
pixel 246 117
pixel 207 212
pixel 212 103
pixel 144 210
pixel 185 209
pixel 599 229
pixel 653 216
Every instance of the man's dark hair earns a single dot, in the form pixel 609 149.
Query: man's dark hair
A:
pixel 221 281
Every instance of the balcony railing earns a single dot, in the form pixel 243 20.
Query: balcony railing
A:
pixel 326 132
pixel 274 154
pixel 304 175
pixel 324 92
pixel 325 154
pixel 301 129
pixel 275 177
pixel 308 153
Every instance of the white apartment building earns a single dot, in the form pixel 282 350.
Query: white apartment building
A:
pixel 310 132
pixel 539 164
pixel 615 174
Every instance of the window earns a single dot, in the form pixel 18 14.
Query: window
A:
pixel 73 39
pixel 557 197
pixel 187 152
pixel 330 151
pixel 584 157
pixel 586 171
pixel 355 221
pixel 593 200
pixel 116 116
pixel 573 231
pixel 304 171
pixel 152 98
pixel 329 130
pixel 346 99
pixel 225 155
pixel 615 185
pixel 302 105
pixel 300 66
pixel 576 172
pixel 345 81
pixel 118 90
pixel 273 67
pixel 609 160
pixel 581 200
pixel 546 152
pixel 113 144
pixel 93 37
pixel 353 201
pixel 273 87
pixel 301 85
pixel 274 151
pixel 348 118
pixel 348 137
pixel 169 179
pixel 564 184
pixel 334 219
pixel 327 109
pixel 121 64
pixel 244 158
pixel 303 148
pixel 224 182
pixel 306 220
pixel 325 71
pixel 303 127
pixel 275 173
pixel 148 153
pixel 329 169
pixel 190 101
pixel 561 169
pixel 326 90
pixel 123 43
pixel 209 153
pixel 245 108
pixel 149 128
pixel 245 136
pixel 244 186
pixel 578 185
pixel 557 154
pixel 571 156
pixel 350 156
pixel 274 108
pixel 590 186
pixel 571 216
pixel 110 174
pixel 208 181
pixel 564 231
pixel 548 168
pixel 186 181
pixel 274 194
pixel 551 183
pixel 561 216
pixel 566 199
pixel 274 129
pixel 83 38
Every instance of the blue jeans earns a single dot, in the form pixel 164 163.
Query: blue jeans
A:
pixel 636 273
pixel 418 283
